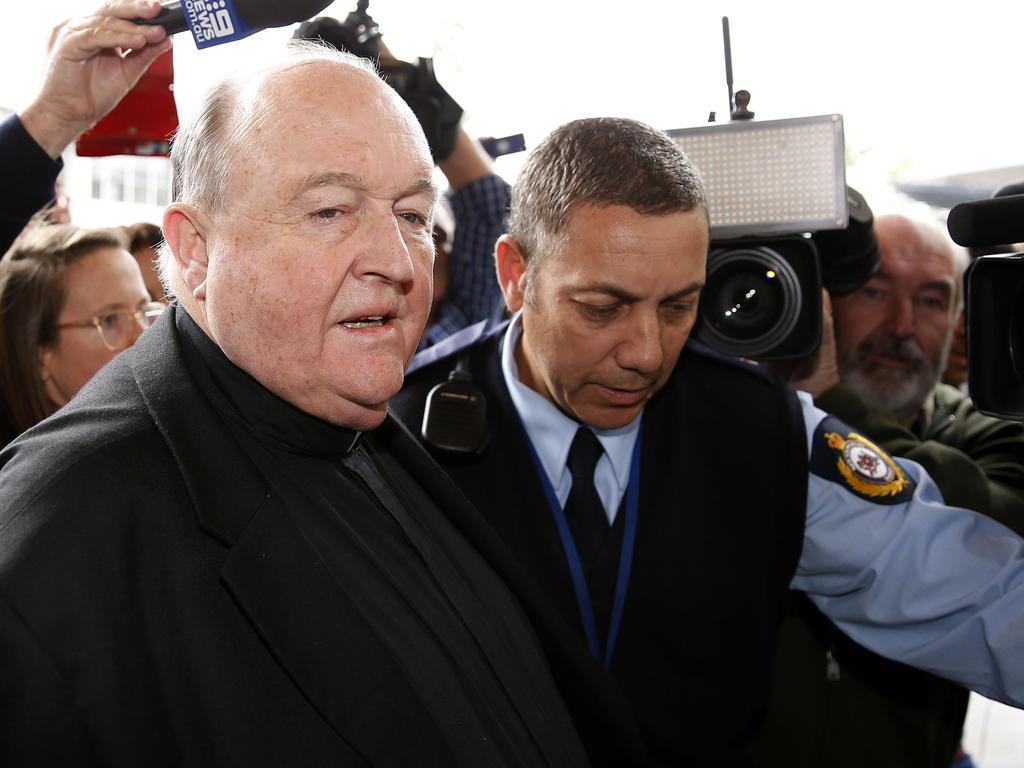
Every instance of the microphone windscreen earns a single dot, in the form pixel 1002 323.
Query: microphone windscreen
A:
pixel 262 14
pixel 999 221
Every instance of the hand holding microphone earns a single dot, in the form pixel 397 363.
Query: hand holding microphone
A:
pixel 93 62
pixel 213 22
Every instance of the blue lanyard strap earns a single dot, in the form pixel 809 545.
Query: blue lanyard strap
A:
pixel 579 581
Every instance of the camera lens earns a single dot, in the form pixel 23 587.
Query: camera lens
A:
pixel 751 300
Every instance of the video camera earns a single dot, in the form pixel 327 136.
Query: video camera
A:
pixel 783 225
pixel 995 301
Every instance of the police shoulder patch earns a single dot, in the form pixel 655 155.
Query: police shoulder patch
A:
pixel 843 456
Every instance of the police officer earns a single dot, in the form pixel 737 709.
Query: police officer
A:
pixel 667 497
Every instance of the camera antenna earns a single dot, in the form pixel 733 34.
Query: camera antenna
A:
pixel 738 105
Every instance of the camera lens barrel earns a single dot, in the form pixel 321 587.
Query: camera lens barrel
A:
pixel 752 301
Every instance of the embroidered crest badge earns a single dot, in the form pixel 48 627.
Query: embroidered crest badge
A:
pixel 865 467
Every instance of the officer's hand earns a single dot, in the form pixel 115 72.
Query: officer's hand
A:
pixel 93 62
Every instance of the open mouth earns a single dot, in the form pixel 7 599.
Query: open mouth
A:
pixel 365 322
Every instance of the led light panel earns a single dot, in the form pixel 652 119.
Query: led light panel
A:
pixel 770 177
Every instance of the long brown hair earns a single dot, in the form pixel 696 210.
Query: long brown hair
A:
pixel 32 294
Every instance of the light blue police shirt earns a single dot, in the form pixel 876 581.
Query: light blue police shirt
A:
pixel 936 587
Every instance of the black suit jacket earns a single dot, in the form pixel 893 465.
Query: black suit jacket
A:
pixel 158 606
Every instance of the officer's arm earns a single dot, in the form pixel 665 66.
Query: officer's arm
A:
pixel 937 587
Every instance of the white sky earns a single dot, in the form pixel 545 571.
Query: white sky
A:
pixel 926 88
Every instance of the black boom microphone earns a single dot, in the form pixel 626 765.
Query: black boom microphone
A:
pixel 213 22
pixel 982 223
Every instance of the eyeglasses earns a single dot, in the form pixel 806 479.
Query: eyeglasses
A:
pixel 117 327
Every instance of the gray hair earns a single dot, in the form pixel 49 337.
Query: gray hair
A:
pixel 598 161
pixel 204 149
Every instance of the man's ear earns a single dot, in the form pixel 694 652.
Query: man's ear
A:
pixel 511 268
pixel 185 232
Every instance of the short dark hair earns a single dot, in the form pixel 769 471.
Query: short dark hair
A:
pixel 599 161
pixel 143 235
pixel 32 295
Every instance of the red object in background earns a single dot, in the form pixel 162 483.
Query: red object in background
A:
pixel 142 123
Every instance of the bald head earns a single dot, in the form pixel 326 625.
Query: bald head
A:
pixel 893 333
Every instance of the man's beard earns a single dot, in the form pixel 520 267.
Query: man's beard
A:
pixel 897 391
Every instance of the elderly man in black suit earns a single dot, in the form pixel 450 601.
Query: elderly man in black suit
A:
pixel 224 552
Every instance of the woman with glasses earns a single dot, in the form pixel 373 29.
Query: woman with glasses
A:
pixel 70 300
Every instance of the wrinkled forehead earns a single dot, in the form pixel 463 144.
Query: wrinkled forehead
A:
pixel 914 243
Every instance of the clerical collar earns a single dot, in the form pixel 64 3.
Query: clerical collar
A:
pixel 239 396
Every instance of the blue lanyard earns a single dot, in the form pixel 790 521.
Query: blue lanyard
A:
pixel 579 581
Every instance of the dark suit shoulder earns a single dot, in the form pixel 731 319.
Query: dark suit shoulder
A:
pixel 455 344
pixel 99 451
pixel 712 359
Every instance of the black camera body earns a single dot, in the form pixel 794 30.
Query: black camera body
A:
pixel 995 335
pixel 995 300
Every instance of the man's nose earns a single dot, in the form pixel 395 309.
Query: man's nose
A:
pixel 900 317
pixel 640 349
pixel 386 252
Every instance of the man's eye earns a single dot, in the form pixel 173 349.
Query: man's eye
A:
pixel 680 308
pixel 599 311
pixel 327 214
pixel 871 293
pixel 414 218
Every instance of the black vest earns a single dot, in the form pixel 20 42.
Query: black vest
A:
pixel 722 501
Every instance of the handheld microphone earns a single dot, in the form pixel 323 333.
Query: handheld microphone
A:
pixel 213 22
pixel 999 221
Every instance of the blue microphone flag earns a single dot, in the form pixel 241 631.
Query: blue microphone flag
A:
pixel 213 22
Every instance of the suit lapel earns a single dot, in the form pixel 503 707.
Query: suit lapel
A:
pixel 523 516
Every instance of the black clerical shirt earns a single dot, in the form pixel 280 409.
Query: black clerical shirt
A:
pixel 459 637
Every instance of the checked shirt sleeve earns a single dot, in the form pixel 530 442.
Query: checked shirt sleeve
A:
pixel 473 294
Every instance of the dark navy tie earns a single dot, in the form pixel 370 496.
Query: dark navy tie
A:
pixel 583 509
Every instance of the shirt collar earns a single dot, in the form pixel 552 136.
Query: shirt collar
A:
pixel 550 430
